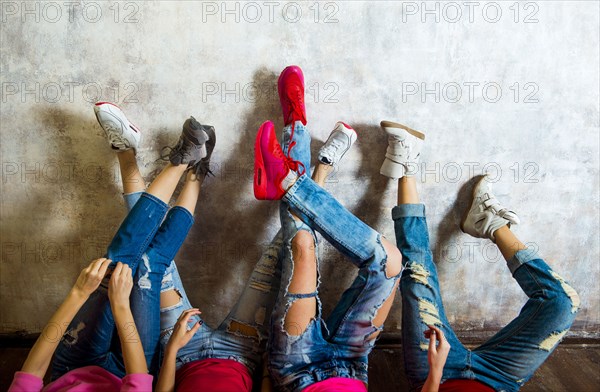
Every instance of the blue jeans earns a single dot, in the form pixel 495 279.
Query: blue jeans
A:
pixel 509 358
pixel 145 235
pixel 339 346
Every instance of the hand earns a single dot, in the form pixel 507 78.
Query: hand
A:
pixel 120 286
pixel 89 279
pixel 181 334
pixel 437 354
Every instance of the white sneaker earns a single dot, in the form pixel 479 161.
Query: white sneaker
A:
pixel 486 214
pixel 122 134
pixel 403 152
pixel 338 143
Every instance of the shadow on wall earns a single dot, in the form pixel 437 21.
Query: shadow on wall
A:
pixel 223 246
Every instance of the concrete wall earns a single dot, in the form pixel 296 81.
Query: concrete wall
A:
pixel 492 92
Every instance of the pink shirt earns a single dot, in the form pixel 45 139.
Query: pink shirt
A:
pixel 213 375
pixel 85 379
pixel 337 384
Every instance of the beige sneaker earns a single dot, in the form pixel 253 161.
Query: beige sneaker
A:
pixel 403 152
pixel 486 214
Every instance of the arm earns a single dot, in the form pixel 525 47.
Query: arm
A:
pixel 267 385
pixel 436 357
pixel 119 289
pixel 180 337
pixel 39 357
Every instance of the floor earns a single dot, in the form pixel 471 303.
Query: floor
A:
pixel 571 368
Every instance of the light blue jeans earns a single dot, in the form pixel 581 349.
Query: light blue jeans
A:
pixel 340 345
pixel 509 358
pixel 253 309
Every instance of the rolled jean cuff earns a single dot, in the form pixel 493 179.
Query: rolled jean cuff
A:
pixel 408 210
pixel 131 199
pixel 521 257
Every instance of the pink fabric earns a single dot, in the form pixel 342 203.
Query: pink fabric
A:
pixel 85 379
pixel 464 386
pixel 213 375
pixel 337 384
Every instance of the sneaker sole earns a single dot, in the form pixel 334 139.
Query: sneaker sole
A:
pixel 260 178
pixel 391 124
pixel 466 213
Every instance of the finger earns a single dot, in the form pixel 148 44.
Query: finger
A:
pixel 432 339
pixel 195 328
pixel 127 271
pixel 103 267
pixel 187 315
pixel 439 333
pixel 117 271
pixel 95 265
pixel 182 315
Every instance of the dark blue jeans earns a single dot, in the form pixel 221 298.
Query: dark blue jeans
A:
pixel 509 358
pixel 145 235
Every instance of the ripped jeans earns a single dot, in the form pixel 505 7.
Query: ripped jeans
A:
pixel 242 336
pixel 253 310
pixel 339 346
pixel 507 360
pixel 145 235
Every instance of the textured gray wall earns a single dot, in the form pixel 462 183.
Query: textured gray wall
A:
pixel 497 87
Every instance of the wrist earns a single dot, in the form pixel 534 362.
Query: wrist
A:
pixel 78 295
pixel 171 350
pixel 120 308
pixel 435 375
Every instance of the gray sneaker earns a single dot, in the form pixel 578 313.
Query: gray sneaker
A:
pixel 486 214
pixel 338 143
pixel 202 168
pixel 191 147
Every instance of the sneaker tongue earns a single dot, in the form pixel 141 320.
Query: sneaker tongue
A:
pixel 326 160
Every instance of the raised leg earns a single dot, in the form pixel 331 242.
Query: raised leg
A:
pixel 419 286
pixel 511 356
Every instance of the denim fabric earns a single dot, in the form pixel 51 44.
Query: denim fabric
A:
pixel 90 338
pixel 339 346
pixel 253 309
pixel 508 359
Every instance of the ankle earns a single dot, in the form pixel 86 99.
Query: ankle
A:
pixel 322 171
pixel 289 180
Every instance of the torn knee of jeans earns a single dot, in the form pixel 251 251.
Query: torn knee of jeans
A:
pixel 170 299
pixel 552 340
pixel 391 263
pixel 429 313
pixel 375 333
pixel 260 285
pixel 569 290
pixel 244 330
pixel 167 281
pixel 144 281
pixel 419 273
pixel 72 335
pixel 294 328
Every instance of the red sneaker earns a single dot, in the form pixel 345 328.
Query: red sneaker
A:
pixel 271 167
pixel 291 95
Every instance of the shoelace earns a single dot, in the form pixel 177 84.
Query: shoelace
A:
pixel 290 162
pixel 333 147
pixel 114 138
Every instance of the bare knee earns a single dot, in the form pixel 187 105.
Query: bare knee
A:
pixel 169 298
pixel 303 245
pixel 394 258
